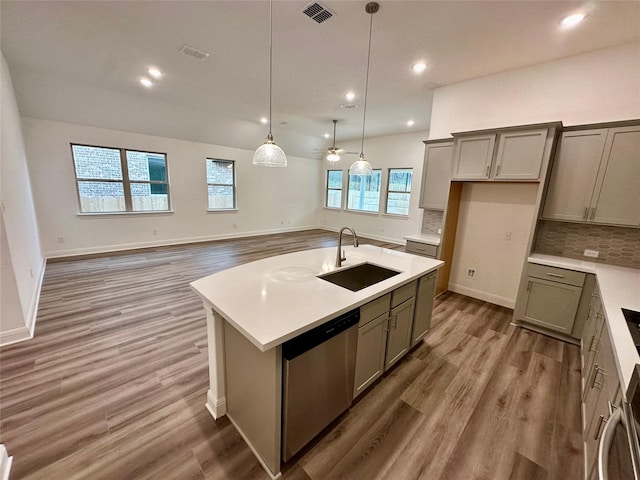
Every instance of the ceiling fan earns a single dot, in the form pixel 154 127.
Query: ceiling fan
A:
pixel 333 152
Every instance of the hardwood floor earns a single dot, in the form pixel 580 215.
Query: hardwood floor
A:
pixel 114 383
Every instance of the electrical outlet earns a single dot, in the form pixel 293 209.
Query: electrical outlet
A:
pixel 439 231
pixel 471 273
pixel 155 232
pixel 591 253
pixel 60 239
pixel 507 235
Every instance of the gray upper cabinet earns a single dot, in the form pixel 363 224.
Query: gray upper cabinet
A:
pixel 511 154
pixel 436 174
pixel 472 157
pixel 520 155
pixel 596 177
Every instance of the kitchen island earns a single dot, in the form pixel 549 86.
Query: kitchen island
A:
pixel 254 308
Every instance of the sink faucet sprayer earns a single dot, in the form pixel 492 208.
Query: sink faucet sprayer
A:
pixel 340 256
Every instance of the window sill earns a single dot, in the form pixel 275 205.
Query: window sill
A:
pixel 362 212
pixel 395 215
pixel 222 210
pixel 120 214
pixel 333 209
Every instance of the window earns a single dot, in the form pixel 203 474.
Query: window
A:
pixel 221 184
pixel 334 189
pixel 364 192
pixel 119 180
pixel 399 190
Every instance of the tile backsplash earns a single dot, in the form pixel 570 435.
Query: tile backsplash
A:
pixel 432 220
pixel 616 245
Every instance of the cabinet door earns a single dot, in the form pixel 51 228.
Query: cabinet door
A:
pixel 472 157
pixel 424 307
pixel 520 155
pixel 551 305
pixel 616 198
pixel 436 175
pixel 372 339
pixel 399 337
pixel 573 175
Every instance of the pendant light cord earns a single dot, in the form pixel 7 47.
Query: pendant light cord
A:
pixel 270 59
pixel 366 85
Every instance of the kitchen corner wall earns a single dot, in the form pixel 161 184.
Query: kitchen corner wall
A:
pixel 269 199
pixel 600 86
pixel 22 261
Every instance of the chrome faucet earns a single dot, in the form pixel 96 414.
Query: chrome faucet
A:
pixel 340 256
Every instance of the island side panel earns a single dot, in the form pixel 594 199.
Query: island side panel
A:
pixel 216 401
pixel 254 395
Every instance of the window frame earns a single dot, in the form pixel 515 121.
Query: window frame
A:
pixel 327 189
pixel 233 185
pixel 126 181
pixel 388 191
pixel 357 210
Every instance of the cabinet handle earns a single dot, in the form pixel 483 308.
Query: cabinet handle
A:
pixel 593 213
pixel 586 213
pixel 595 377
pixel 557 275
pixel 395 321
pixel 497 170
pixel 487 174
pixel 601 423
pixel 528 285
pixel 612 407
pixel 593 339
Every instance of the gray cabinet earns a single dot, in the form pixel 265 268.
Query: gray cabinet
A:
pixel 424 307
pixel 436 174
pixel 420 248
pixel 372 341
pixel 596 177
pixel 518 156
pixel 601 397
pixel 399 338
pixel 551 298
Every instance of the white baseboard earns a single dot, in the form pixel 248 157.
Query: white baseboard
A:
pixel 217 407
pixel 485 296
pixel 164 243
pixel 21 334
pixel 5 463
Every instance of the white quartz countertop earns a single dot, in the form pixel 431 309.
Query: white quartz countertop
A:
pixel 619 288
pixel 424 238
pixel 275 299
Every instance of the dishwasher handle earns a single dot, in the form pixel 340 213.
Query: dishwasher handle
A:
pixel 308 340
pixel 605 444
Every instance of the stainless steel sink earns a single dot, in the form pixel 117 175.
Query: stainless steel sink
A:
pixel 359 277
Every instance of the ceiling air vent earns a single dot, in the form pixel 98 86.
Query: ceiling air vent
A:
pixel 194 52
pixel 317 12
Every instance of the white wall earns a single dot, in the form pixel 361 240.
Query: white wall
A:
pixel 595 87
pixel 22 259
pixel 488 212
pixel 269 199
pixel 393 151
pixel 599 86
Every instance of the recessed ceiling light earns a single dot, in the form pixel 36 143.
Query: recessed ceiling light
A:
pixel 350 96
pixel 419 67
pixel 410 123
pixel 264 120
pixel 572 20
pixel 326 135
pixel 146 82
pixel 154 72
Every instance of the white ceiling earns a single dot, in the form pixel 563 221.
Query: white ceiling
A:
pixel 80 61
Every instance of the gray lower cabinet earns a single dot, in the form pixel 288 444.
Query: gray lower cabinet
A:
pixel 601 396
pixel 399 338
pixel 595 177
pixel 420 248
pixel 424 307
pixel 372 340
pixel 551 298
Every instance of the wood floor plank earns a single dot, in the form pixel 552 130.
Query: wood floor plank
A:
pixel 114 383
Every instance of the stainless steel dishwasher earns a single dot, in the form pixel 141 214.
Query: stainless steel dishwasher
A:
pixel 318 372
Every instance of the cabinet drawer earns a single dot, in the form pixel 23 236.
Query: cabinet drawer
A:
pixel 421 249
pixel 553 274
pixel 403 293
pixel 375 308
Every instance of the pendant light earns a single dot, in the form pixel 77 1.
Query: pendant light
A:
pixel 333 151
pixel 361 166
pixel 269 154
